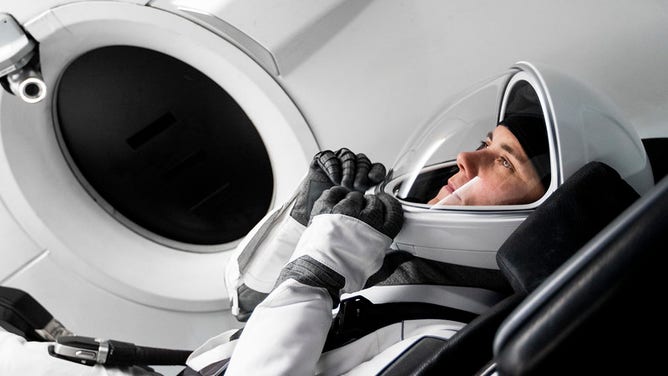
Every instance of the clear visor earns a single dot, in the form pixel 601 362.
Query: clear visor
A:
pixel 460 160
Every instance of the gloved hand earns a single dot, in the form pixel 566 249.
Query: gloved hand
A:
pixel 327 169
pixel 257 261
pixel 346 241
pixel 381 211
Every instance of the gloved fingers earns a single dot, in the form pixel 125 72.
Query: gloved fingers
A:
pixel 376 174
pixel 343 167
pixel 373 212
pixel 394 215
pixel 351 205
pixel 348 167
pixel 361 174
pixel 328 200
pixel 330 165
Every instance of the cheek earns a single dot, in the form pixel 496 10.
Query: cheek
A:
pixel 483 193
pixel 513 192
pixel 496 190
pixel 534 192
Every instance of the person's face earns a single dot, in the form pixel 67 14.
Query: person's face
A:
pixel 505 174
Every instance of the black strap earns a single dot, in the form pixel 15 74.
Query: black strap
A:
pixel 358 317
pixel 21 314
pixel 126 353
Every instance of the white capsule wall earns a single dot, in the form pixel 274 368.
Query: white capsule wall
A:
pixel 308 75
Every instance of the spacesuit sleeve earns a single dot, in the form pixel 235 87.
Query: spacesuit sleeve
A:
pixel 21 357
pixel 287 331
pixel 256 263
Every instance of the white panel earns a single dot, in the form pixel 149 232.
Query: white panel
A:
pixel 367 73
pixel 277 34
pixel 17 249
pixel 386 72
pixel 24 10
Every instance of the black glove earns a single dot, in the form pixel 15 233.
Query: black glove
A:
pixel 356 171
pixel 327 169
pixel 381 211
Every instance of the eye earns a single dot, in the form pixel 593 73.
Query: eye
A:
pixel 505 163
pixel 483 144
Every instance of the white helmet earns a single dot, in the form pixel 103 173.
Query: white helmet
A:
pixel 581 126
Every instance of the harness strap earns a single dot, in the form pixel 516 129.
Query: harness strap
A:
pixel 357 317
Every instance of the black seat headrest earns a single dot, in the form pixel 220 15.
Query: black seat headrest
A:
pixel 571 216
pixel 601 313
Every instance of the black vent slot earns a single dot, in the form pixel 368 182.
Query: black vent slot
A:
pixel 152 130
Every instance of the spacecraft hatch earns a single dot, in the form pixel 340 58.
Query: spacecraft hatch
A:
pixel 138 147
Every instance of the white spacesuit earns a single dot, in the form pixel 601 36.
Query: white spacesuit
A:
pixel 335 253
pixel 346 242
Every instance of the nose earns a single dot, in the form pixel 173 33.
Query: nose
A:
pixel 471 162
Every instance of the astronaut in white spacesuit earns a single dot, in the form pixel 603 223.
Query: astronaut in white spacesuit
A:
pixel 335 240
pixel 341 240
pixel 345 242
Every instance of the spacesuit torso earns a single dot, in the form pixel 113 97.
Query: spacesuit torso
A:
pixel 298 274
pixel 288 330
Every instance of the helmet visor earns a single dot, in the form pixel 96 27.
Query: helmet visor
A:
pixel 442 165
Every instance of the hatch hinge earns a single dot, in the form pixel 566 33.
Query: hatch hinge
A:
pixel 19 62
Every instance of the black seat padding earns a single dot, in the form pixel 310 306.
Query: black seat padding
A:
pixel 602 312
pixel 578 210
pixel 657 152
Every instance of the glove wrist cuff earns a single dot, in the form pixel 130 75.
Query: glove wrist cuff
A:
pixel 346 245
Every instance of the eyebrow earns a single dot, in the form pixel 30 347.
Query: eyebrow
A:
pixel 508 148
